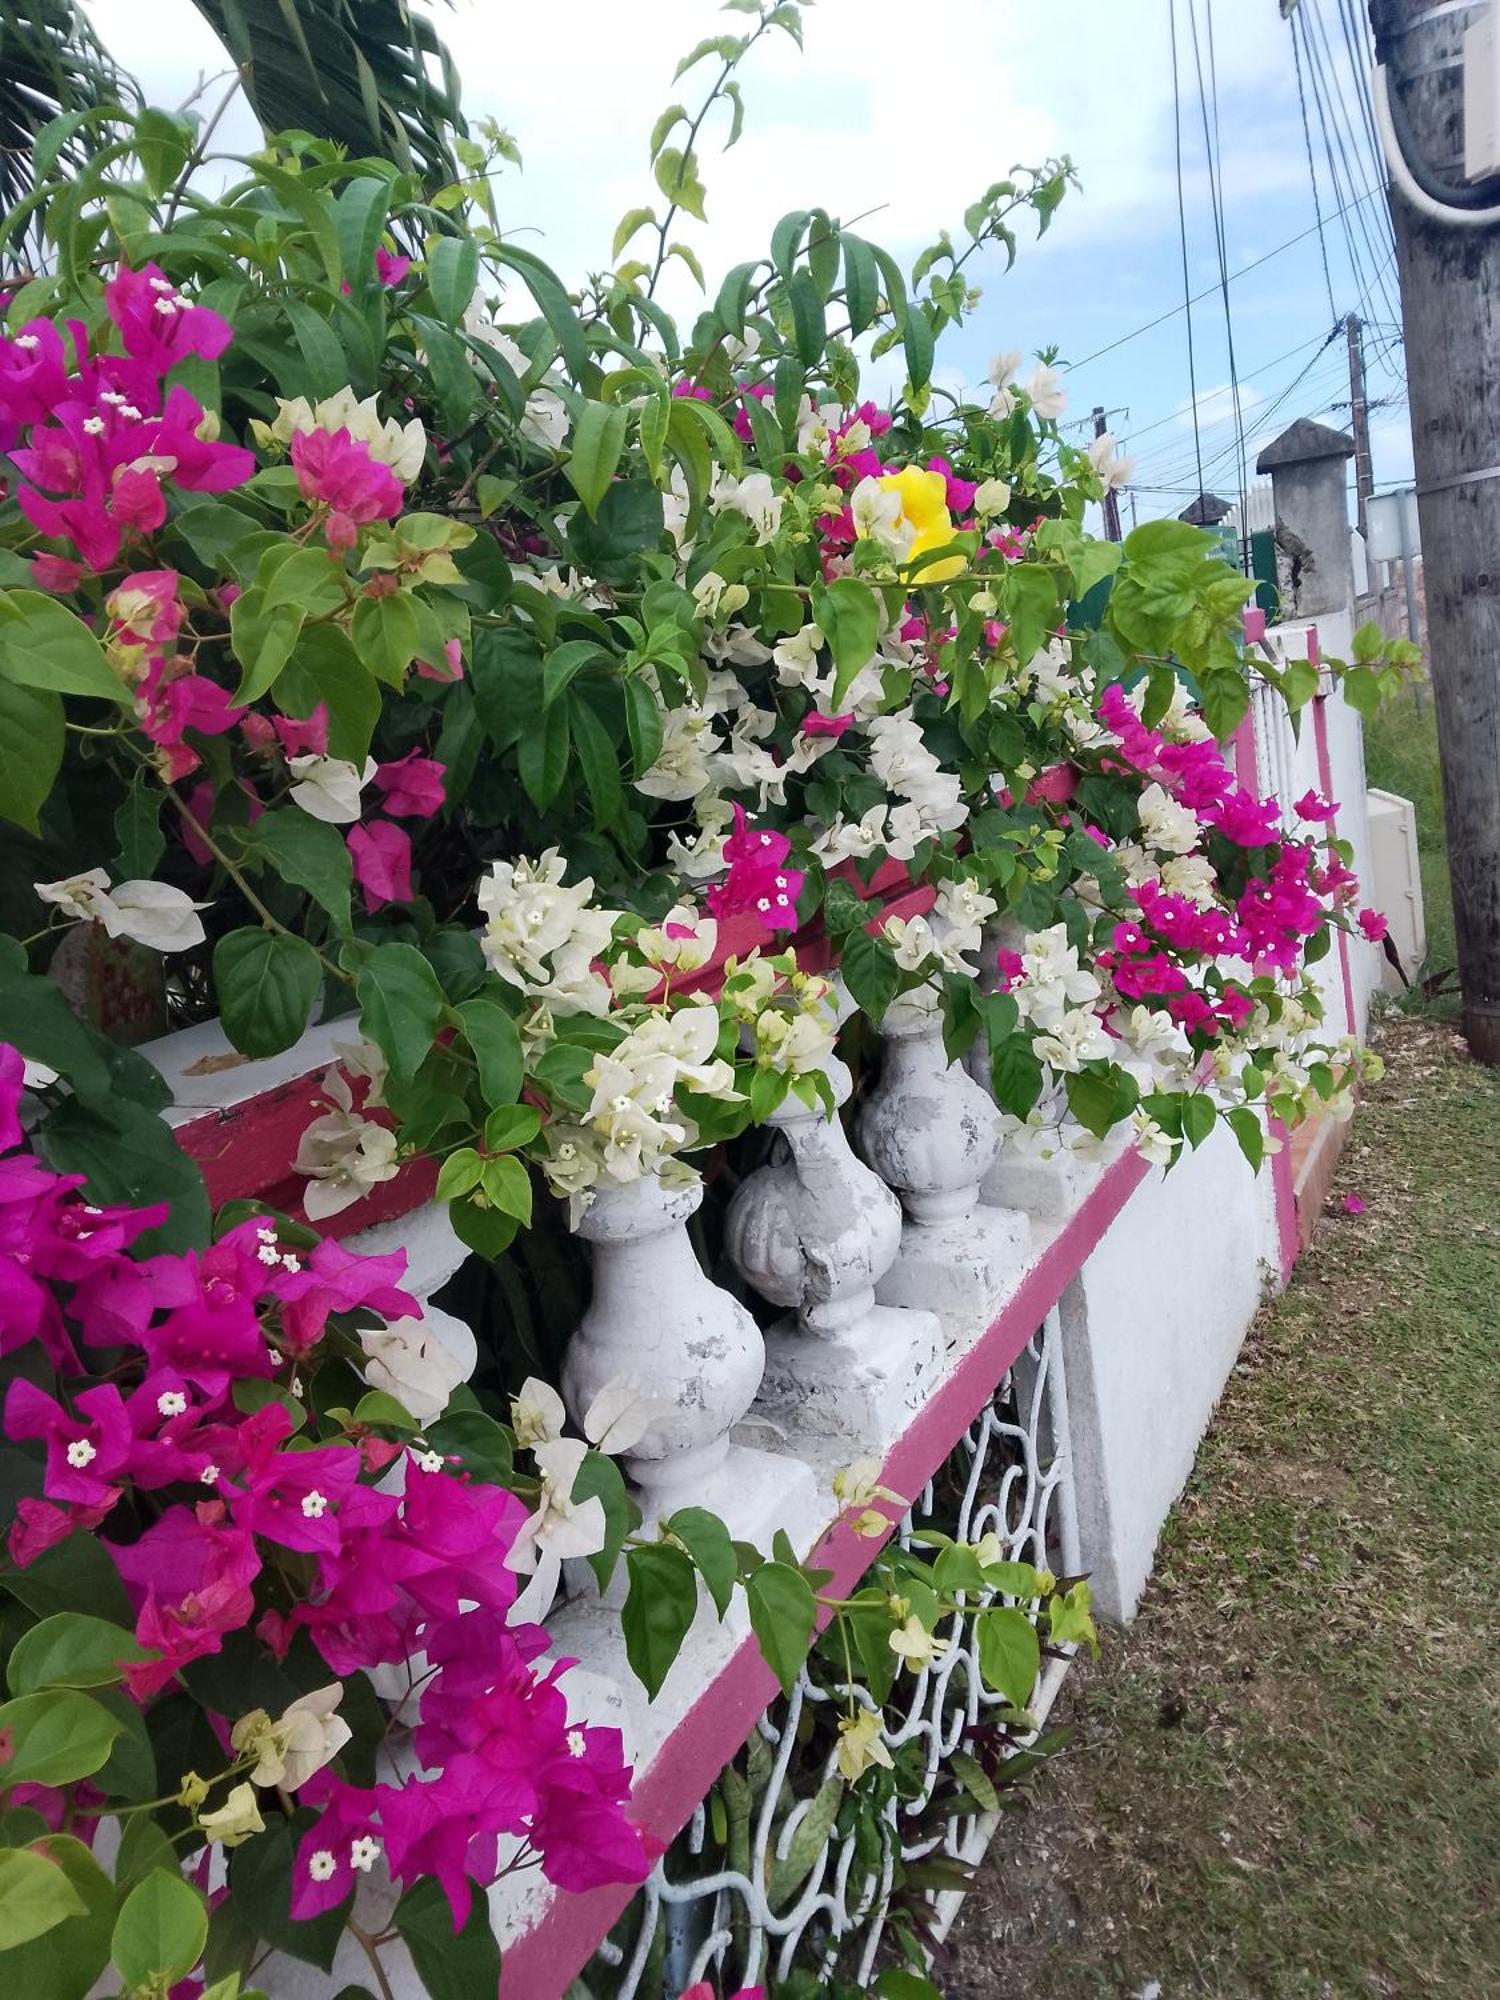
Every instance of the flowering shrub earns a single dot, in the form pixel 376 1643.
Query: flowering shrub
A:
pixel 224 1550
pixel 386 632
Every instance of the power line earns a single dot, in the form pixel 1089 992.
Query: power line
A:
pixel 1216 192
pixel 1312 174
pixel 1187 299
pixel 1208 291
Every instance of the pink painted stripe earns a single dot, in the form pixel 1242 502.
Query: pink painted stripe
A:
pixel 542 1964
pixel 1284 1187
pixel 1325 781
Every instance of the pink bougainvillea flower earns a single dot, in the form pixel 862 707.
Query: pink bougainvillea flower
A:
pixel 390 266
pixel 338 471
pixel 145 607
pixel 303 735
pixel 334 1279
pixel 381 853
pixel 12 1082
pixel 1245 819
pixel 167 709
pixel 413 785
pixel 158 325
pixel 33 377
pixel 189 1576
pixel 1373 924
pixel 759 882
pixel 344 1843
pixel 815 723
pixel 56 573
pixel 452 668
pixel 1311 807
pixel 88 1448
pixel 1353 1205
pixel 290 1497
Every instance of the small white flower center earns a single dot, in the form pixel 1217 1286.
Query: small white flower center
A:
pixel 315 1505
pixel 81 1453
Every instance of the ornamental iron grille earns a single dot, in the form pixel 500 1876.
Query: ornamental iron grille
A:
pixel 786 1868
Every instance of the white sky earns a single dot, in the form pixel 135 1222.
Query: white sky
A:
pixel 912 109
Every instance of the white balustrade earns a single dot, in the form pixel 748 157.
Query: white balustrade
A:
pixel 933 1135
pixel 657 1321
pixel 816 1230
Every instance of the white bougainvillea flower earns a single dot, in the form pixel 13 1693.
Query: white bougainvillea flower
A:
pixel 545 421
pixel 329 787
pixel 716 597
pixel 681 769
pixel 916 1647
pixel 343 1154
pixel 1114 471
pixel 1078 1037
pixel 620 1416
pixel 991 497
pixel 537 1415
pixel 1003 366
pixel 1044 387
pixel 877 515
pixel 559 1530
pixel 400 446
pixel 308 1734
pixel 1169 826
pixel 154 914
pixel 408 1361
pixel 860 1744
pixel 685 940
pixel 234 1821
pixel 755 497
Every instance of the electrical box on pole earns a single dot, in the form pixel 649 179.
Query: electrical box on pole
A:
pixel 1482 96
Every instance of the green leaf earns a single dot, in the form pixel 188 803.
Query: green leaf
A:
pixel 1251 1134
pixel 55 1737
pixel 507 1185
pixel 359 221
pixel 42 645
pixel 309 578
pixel 322 352
pixel 542 755
pixel 975 1780
pixel 546 288
pixel 595 444
pixel 674 115
pixel 386 635
pixel 401 1005
pixel 1099 1099
pixel 260 1885
pixel 1010 1654
pixel 451 1966
pixel 599 1477
pixel 308 852
pixel 660 1606
pixel 496 1045
pixel 137 827
pixel 35 1896
pixel 1199 1116
pixel 599 761
pixel 32 736
pixel 452 273
pixel 129 1157
pixel 72 1572
pixel 63 1962
pixel 644 724
pixel 71 1649
pixel 458 1175
pixel 324 667
pixel 783 1612
pixel 790 1870
pixel 266 985
pixel 848 615
pixel 262 641
pixel 213 529
pixel 636 218
pixel 870 972
pixel 481 1446
pixel 861 282
pixel 510 1126
pixel 707 1541
pixel 160 1932
pixel 677 177
pixel 810 328
pixel 563 662
pixel 1226 701
pixel 1016 1075
pixel 919 346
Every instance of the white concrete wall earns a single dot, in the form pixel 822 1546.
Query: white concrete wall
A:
pixel 1152 1326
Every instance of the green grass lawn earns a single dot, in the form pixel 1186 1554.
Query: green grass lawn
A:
pixel 1285 1779
pixel 1401 756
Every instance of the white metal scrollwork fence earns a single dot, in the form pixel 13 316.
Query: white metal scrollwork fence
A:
pixel 1010 1474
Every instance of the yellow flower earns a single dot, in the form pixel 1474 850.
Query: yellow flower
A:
pixel 236 1820
pixel 860 1744
pixel 924 503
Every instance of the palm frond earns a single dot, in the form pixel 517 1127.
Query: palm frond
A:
pixel 51 64
pixel 370 74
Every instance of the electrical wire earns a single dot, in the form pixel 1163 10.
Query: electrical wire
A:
pixel 1333 136
pixel 1312 174
pixel 1216 192
pixel 1377 235
pixel 1208 292
pixel 1187 298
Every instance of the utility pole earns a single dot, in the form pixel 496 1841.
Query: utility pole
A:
pixel 1364 475
pixel 1111 502
pixel 1450 302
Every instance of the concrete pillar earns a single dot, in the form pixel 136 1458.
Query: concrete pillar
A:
pixel 1314 569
